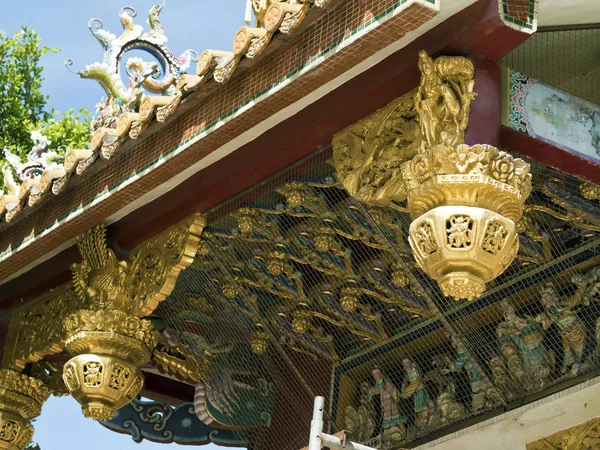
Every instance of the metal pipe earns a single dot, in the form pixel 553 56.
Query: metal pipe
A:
pixel 316 425
pixel 318 439
pixel 335 443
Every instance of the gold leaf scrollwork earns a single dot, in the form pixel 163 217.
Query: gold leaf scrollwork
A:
pixel 35 329
pixel 138 286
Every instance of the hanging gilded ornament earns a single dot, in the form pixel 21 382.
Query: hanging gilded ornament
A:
pixel 464 200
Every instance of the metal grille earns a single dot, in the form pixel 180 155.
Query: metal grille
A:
pixel 568 60
pixel 330 287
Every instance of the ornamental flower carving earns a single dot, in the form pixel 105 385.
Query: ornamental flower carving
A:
pixel 230 291
pixel 462 159
pixel 246 221
pixel 399 277
pixel 509 170
pixel 131 325
pixel 503 168
pixel 349 300
pixel 417 170
pixel 323 242
pixel 276 263
pixel 301 322
pixel 295 198
pixel 259 342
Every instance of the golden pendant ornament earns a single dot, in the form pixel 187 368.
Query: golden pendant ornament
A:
pixel 465 208
pixel 109 348
pixel 21 400
pixel 464 199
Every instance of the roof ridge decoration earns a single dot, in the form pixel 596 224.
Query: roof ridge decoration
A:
pixel 155 90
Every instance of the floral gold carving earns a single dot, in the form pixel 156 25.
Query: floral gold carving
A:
pixel 413 150
pixel 581 437
pixel 259 342
pixel 35 329
pixel 590 191
pixel 21 400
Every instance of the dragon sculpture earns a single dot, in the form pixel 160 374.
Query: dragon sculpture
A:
pixel 158 77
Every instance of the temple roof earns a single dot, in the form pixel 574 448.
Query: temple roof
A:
pixel 153 93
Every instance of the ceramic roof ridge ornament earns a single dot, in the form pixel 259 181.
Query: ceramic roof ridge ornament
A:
pixel 159 77
pixel 39 158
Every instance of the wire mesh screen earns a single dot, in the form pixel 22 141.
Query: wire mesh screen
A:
pixel 568 60
pixel 298 290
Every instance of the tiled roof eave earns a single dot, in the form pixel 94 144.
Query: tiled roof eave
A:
pixel 106 144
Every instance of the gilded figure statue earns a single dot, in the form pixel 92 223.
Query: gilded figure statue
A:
pixel 369 154
pixel 529 361
pixel 443 98
pixel 483 393
pixel 571 328
pixel 394 430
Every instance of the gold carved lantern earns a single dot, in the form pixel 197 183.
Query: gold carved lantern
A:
pixel 21 400
pixel 108 338
pixel 110 348
pixel 464 200
pixel 464 209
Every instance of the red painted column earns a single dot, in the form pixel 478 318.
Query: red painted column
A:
pixel 486 109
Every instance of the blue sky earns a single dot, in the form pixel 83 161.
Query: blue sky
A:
pixel 195 24
pixel 63 427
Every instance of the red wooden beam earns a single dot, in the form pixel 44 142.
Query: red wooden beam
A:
pixel 550 155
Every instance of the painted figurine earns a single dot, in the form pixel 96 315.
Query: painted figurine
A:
pixel 448 408
pixel 394 431
pixel 523 336
pixel 361 421
pixel 570 326
pixel 482 392
pixel 423 406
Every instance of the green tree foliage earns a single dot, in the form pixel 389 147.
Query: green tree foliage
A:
pixel 23 105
